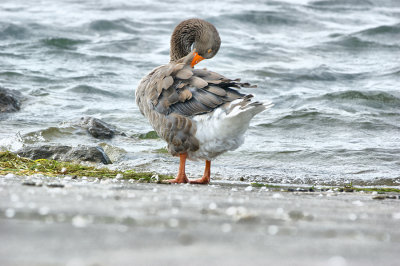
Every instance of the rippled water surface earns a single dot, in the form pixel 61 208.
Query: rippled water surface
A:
pixel 332 69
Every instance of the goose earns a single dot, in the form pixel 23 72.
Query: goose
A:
pixel 199 113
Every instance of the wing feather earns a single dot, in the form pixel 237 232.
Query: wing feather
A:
pixel 186 91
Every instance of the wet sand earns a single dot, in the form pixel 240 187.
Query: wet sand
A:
pixel 116 222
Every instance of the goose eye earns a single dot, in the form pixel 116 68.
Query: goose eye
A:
pixel 209 51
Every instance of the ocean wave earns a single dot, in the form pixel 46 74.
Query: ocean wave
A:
pixel 319 73
pixel 130 45
pixel 11 74
pixel 382 30
pixel 384 36
pixel 316 120
pixel 376 99
pixel 13 31
pixel 341 3
pixel 91 77
pixel 358 43
pixel 303 119
pixel 108 59
pixel 62 43
pixel 395 72
pixel 265 20
pixel 12 55
pixel 31 77
pixel 265 17
pixel 86 89
pixel 47 134
pixel 120 25
pixel 384 154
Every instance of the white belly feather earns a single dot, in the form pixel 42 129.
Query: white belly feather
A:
pixel 223 129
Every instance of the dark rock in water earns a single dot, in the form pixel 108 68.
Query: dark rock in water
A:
pixel 99 129
pixel 66 153
pixel 10 100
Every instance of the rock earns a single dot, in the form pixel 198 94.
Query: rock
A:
pixel 55 185
pixel 10 100
pixel 32 183
pixel 114 153
pixel 149 135
pixel 98 128
pixel 65 153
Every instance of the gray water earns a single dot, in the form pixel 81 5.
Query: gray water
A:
pixel 331 68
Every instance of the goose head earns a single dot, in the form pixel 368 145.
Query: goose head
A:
pixel 194 35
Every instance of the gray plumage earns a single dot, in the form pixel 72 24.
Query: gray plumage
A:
pixel 171 95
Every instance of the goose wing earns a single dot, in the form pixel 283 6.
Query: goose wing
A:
pixel 188 92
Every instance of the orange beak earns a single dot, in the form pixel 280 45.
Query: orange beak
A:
pixel 196 59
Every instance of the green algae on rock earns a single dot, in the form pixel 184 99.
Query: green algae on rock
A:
pixel 148 135
pixel 161 150
pixel 12 163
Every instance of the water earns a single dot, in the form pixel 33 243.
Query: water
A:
pixel 331 67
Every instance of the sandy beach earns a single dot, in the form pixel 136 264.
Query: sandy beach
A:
pixel 65 221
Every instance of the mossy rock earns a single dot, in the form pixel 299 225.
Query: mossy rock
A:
pixel 161 150
pixel 12 163
pixel 149 135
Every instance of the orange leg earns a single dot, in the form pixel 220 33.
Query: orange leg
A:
pixel 181 178
pixel 206 176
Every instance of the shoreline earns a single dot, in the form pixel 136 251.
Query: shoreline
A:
pixel 12 165
pixel 85 221
pixel 103 217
